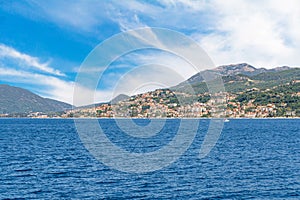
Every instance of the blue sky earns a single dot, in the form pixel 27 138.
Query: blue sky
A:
pixel 43 43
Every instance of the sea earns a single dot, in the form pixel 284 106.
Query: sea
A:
pixel 252 159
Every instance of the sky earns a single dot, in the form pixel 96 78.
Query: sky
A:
pixel 44 43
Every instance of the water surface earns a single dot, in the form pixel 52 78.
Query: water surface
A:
pixel 44 158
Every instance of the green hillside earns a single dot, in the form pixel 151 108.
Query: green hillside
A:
pixel 240 82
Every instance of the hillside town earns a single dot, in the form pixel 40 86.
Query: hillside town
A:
pixel 163 103
pixel 250 93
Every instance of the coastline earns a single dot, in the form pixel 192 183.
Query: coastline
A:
pixel 229 118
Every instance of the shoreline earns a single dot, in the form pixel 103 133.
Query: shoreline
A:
pixel 163 118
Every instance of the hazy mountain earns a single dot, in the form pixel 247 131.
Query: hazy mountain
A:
pixel 120 97
pixel 18 100
pixel 117 99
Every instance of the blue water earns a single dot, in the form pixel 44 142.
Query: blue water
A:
pixel 45 159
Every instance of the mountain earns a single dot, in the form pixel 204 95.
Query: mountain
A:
pixel 18 100
pixel 120 97
pixel 243 76
pixel 234 69
pixel 117 99
pixel 250 92
pixel 245 69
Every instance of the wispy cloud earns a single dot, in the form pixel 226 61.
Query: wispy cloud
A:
pixel 10 53
pixel 52 87
pixel 18 67
pixel 145 78
pixel 264 33
pixel 91 16
pixel 163 58
pixel 81 15
pixel 47 85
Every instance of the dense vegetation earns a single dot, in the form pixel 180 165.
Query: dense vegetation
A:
pixel 279 87
pixel 284 97
pixel 241 82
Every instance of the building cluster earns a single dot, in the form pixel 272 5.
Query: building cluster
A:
pixel 249 110
pixel 166 104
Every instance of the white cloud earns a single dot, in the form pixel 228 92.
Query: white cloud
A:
pixel 166 59
pixel 265 33
pixel 44 78
pixel 186 4
pixel 50 86
pixel 146 78
pixel 53 87
pixel 262 33
pixel 29 61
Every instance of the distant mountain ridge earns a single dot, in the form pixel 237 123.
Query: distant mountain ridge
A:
pixel 234 69
pixel 18 100
pixel 237 77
